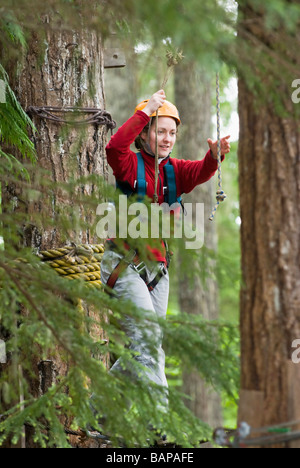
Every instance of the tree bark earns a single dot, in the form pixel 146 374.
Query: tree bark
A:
pixel 193 97
pixel 67 70
pixel 269 168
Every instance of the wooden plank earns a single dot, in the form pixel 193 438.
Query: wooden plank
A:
pixel 114 58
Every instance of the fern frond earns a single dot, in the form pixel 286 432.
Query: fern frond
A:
pixel 15 123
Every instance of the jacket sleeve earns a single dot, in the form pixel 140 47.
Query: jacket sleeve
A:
pixel 193 173
pixel 119 155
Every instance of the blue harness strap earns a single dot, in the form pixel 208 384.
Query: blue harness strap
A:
pixel 170 191
pixel 140 187
pixel 141 184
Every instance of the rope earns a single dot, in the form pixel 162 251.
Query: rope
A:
pixel 221 196
pixel 172 60
pixel 76 262
pixel 98 116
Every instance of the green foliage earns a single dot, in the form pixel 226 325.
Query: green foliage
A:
pixel 51 321
pixel 205 30
pixel 11 31
pixel 39 310
pixel 14 124
pixel 31 318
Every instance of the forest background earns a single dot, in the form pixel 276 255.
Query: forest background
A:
pixel 209 303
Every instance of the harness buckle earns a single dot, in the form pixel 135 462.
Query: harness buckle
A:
pixel 130 257
pixel 139 268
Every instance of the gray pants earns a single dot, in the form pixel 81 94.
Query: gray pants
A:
pixel 130 286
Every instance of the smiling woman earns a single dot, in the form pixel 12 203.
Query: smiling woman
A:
pixel 146 285
pixel 166 136
pixel 168 122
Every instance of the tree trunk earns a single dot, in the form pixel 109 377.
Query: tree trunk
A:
pixel 270 298
pixel 68 71
pixel 193 98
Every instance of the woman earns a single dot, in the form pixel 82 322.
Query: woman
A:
pixel 147 286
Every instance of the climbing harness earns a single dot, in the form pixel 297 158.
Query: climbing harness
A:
pixel 140 186
pixel 221 196
pixel 132 260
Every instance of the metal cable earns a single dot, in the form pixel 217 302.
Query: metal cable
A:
pixel 221 196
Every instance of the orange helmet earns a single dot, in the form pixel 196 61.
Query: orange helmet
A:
pixel 167 110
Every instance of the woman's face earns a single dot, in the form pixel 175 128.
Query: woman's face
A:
pixel 167 133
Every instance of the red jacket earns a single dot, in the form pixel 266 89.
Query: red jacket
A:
pixel 188 174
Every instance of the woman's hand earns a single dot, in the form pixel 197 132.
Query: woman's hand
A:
pixel 155 102
pixel 225 146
